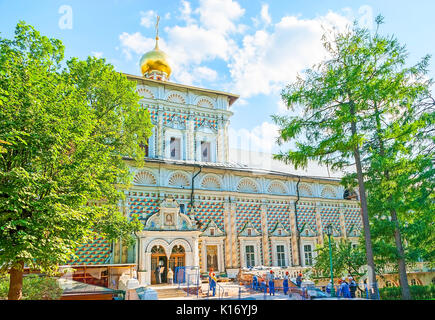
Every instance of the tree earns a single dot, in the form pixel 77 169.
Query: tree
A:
pixel 332 101
pixel 365 101
pixel 347 260
pixel 62 176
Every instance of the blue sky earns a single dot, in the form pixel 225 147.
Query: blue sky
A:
pixel 251 48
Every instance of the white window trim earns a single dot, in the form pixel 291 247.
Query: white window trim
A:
pixel 250 241
pixel 313 255
pixel 206 137
pixel 173 133
pixel 281 241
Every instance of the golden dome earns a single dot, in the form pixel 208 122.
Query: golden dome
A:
pixel 155 60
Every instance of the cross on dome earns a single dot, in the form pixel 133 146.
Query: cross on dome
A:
pixel 154 64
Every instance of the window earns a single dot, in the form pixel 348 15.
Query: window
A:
pixel 250 257
pixel 249 232
pixel 212 231
pixel 175 148
pixel 388 284
pixel 181 207
pixel 413 282
pixel 280 255
pixel 308 253
pixel 205 151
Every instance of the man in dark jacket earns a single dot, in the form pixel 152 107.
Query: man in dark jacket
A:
pixel 352 287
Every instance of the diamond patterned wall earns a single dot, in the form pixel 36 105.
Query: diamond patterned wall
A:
pixel 95 252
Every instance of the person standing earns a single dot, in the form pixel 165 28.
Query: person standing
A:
pixel 299 280
pixel 162 274
pixel 212 281
pixel 344 289
pixel 270 278
pixel 170 276
pixel 157 274
pixel 352 287
pixel 329 287
pixel 255 283
pixel 285 283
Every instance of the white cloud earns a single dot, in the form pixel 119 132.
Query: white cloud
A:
pixel 148 18
pixel 265 16
pixel 97 54
pixel 261 63
pixel 186 12
pixel 268 60
pixel 261 138
pixel 206 73
pixel 219 15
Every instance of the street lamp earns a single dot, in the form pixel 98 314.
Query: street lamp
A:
pixel 329 233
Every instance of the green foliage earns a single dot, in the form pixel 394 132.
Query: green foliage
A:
pixel 69 129
pixel 417 293
pixel 364 99
pixel 346 260
pixel 34 288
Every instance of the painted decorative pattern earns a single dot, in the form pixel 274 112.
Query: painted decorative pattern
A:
pixel 330 216
pixel 200 121
pixel 95 252
pixel 307 214
pixel 142 205
pixel 169 117
pixel 248 212
pixel 352 216
pixel 210 210
pixel 278 213
pixel 153 115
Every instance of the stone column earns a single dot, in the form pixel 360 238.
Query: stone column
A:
pixel 159 131
pixel 226 147
pixel 265 233
pixel 319 223
pixel 342 222
pixel 235 257
pixel 190 141
pixel 294 240
pixel 220 254
pixel 228 239
pixel 220 142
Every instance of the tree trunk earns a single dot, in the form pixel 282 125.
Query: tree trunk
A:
pixel 403 277
pixel 372 283
pixel 16 282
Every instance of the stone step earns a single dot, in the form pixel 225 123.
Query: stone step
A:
pixel 170 293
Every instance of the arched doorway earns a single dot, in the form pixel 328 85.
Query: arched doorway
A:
pixel 158 260
pixel 177 258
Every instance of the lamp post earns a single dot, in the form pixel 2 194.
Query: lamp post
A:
pixel 329 233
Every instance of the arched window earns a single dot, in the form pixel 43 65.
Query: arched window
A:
pixel 158 249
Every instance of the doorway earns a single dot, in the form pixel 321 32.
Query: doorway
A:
pixel 177 259
pixel 212 258
pixel 158 261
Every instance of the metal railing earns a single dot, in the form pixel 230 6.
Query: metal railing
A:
pixel 188 279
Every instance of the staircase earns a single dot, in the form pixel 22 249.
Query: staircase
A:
pixel 170 293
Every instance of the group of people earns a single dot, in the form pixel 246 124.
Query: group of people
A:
pixel 159 271
pixel 260 283
pixel 345 289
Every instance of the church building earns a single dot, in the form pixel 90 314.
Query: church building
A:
pixel 198 208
